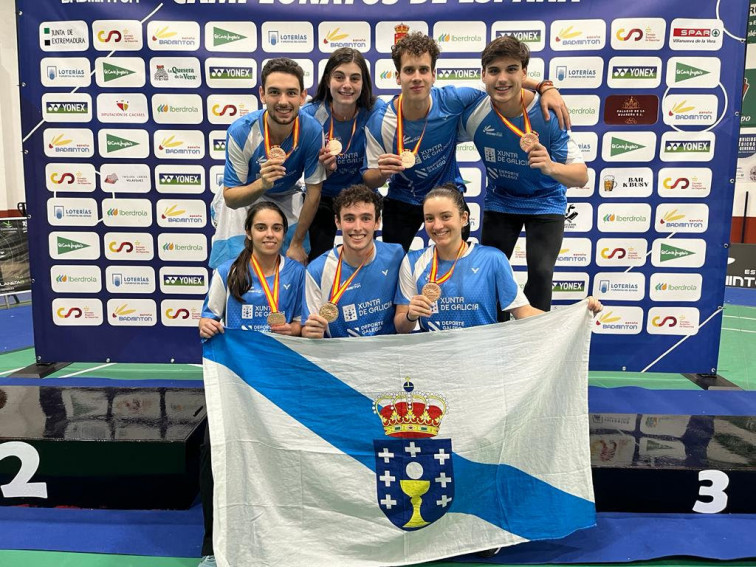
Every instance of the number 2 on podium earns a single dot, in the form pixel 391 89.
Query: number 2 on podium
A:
pixel 20 486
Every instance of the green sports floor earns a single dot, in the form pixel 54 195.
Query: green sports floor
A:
pixel 737 363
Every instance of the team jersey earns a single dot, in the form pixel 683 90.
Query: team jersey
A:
pixel 512 185
pixel 245 153
pixel 349 163
pixel 435 161
pixel 252 313
pixel 481 277
pixel 367 306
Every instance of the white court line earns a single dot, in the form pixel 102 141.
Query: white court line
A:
pixel 88 370
pixel 739 330
pixel 11 371
pixel 736 317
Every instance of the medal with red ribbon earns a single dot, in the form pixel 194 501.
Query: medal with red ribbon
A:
pixel 276 317
pixel 335 146
pixel 408 157
pixel 329 311
pixel 432 290
pixel 277 152
pixel 528 138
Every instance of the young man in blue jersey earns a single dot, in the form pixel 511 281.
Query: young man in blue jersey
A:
pixel 267 152
pixel 529 164
pixel 349 290
pixel 411 143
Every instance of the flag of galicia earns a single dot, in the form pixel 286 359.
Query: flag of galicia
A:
pixel 394 450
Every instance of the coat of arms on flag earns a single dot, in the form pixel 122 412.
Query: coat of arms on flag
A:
pixel 414 471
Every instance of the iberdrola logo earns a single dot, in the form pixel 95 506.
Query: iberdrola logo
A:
pixel 335 35
pixel 568 33
pixel 414 472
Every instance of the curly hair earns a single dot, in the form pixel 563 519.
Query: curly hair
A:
pixel 357 194
pixel 415 44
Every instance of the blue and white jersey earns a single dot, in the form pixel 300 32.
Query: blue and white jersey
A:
pixel 367 306
pixel 436 161
pixel 349 164
pixel 245 153
pixel 512 186
pixel 481 277
pixel 253 312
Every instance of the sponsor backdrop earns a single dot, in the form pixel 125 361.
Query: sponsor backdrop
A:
pixel 14 256
pixel 125 106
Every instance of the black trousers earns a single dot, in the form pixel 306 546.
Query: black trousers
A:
pixel 323 228
pixel 206 493
pixel 401 222
pixel 544 239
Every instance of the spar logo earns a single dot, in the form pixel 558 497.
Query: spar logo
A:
pixel 698 34
pixel 695 32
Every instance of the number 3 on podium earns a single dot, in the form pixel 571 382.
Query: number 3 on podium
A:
pixel 715 490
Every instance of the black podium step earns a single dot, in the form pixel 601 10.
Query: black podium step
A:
pixel 126 448
pixel 674 463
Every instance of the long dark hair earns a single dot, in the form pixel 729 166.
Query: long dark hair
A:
pixel 239 276
pixel 339 57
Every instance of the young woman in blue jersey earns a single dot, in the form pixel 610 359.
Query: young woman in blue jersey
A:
pixel 453 284
pixel 342 105
pixel 261 290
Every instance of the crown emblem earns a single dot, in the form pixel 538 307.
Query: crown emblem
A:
pixel 400 30
pixel 409 413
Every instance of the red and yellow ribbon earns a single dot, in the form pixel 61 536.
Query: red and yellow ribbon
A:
pixel 271 296
pixel 400 129
pixel 266 136
pixel 338 290
pixel 525 119
pixel 351 136
pixel 434 266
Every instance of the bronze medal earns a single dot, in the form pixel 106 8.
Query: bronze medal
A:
pixel 329 312
pixel 334 147
pixel 528 141
pixel 276 318
pixel 432 291
pixel 408 159
pixel 277 152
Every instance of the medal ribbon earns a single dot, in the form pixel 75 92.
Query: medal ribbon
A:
pixel 434 266
pixel 351 136
pixel 266 136
pixel 400 128
pixel 271 297
pixel 338 290
pixel 525 119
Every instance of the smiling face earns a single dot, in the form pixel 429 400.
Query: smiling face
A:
pixel 358 223
pixel 416 76
pixel 503 79
pixel 345 84
pixel 444 222
pixel 283 97
pixel 266 233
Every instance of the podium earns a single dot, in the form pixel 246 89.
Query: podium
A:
pixel 113 447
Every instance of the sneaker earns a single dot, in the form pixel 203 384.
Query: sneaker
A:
pixel 488 552
pixel 207 561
